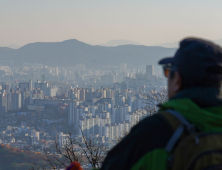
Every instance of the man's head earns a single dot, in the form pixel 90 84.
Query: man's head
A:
pixel 197 63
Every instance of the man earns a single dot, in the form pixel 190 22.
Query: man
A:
pixel 194 82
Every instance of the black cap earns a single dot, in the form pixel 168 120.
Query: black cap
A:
pixel 196 58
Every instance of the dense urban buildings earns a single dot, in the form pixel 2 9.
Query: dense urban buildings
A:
pixel 41 104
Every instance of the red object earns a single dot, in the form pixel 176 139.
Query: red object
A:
pixel 74 166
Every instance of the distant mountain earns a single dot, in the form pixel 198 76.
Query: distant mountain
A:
pixel 114 43
pixel 169 45
pixel 72 52
pixel 10 46
pixel 13 46
pixel 5 49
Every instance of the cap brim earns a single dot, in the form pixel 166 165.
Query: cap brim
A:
pixel 168 60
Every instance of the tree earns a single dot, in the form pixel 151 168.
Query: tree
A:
pixel 153 98
pixel 63 157
pixel 39 166
pixel 95 153
pixel 13 158
pixel 122 136
pixel 88 153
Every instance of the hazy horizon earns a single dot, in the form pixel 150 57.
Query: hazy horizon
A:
pixel 114 43
pixel 97 22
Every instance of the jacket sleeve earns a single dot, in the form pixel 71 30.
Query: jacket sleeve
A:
pixel 151 133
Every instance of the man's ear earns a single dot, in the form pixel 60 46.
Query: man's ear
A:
pixel 177 82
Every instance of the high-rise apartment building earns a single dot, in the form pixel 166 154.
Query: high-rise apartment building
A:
pixel 37 94
pixel 3 103
pixel 82 94
pixel 110 93
pixel 43 86
pixel 14 101
pixel 149 72
pixel 24 85
pixel 25 97
pixel 35 135
pixel 63 139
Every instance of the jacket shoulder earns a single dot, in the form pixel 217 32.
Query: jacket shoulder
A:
pixel 151 133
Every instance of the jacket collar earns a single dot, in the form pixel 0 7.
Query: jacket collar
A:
pixel 202 96
pixel 200 106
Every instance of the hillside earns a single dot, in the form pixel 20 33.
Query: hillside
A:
pixel 72 52
pixel 15 159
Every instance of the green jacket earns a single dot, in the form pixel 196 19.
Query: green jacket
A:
pixel 143 148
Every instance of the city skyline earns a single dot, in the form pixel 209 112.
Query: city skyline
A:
pixel 105 104
pixel 92 82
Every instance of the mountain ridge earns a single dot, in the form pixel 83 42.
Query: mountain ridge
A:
pixel 114 43
pixel 71 52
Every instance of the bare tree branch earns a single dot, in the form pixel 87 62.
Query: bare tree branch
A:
pixel 153 98
pixel 66 154
pixel 94 152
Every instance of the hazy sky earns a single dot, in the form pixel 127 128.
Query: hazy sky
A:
pixel 98 21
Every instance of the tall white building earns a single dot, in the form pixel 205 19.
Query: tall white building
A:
pixel 34 136
pixel 63 139
pixel 52 91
